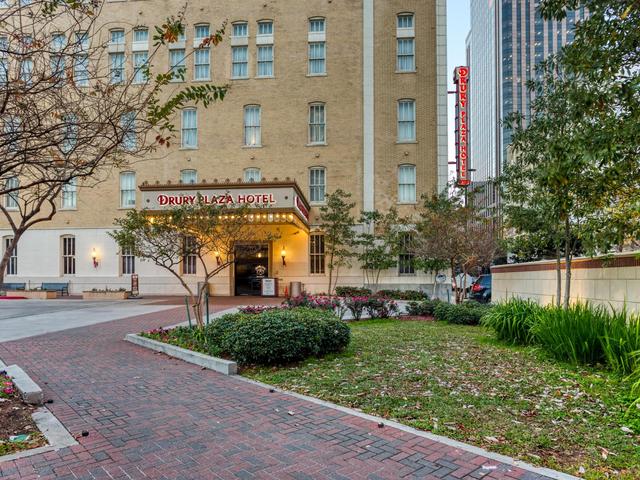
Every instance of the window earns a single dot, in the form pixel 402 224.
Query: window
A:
pixel 189 256
pixel 252 134
pixel 82 40
pixel 176 62
pixel 11 199
pixel 70 133
pixel 407 184
pixel 68 255
pixel 4 70
pixel 58 42
pixel 117 37
pixel 128 261
pixel 190 128
pixel 201 61
pixel 139 64
pixel 57 62
pixel 127 189
pixel 69 194
pixel 317 184
pixel 141 35
pixel 129 137
pixel 317 124
pixel 252 175
pixel 265 61
pixel 406 55
pixel 12 265
pixel 316 253
pixel 117 67
pixel 201 33
pixel 188 176
pixel 240 62
pixel 12 131
pixel 405 20
pixel 240 29
pixel 81 70
pixel 406 121
pixel 316 25
pixel 265 27
pixel 406 257
pixel 26 70
pixel 317 60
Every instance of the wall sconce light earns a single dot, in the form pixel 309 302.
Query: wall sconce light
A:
pixel 283 253
pixel 94 257
pixel 218 259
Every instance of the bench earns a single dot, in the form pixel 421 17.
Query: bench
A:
pixel 13 286
pixel 62 288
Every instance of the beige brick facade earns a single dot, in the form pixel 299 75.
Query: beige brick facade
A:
pixel 284 101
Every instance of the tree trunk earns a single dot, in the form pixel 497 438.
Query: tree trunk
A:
pixel 330 273
pixel 453 282
pixel 567 256
pixel 558 276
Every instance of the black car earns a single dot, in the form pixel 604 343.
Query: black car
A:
pixel 481 289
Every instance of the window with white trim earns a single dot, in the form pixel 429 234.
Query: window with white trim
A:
pixel 26 70
pixel 407 184
pixel 69 194
pixel 317 49
pixel 68 255
pixel 11 198
pixel 140 57
pixel 202 56
pixel 406 258
pixel 239 62
pixel 12 264
pixel 317 124
pixel 81 60
pixel 127 189
pixel 252 128
pixel 265 27
pixel 177 64
pixel 241 29
pixel 189 131
pixel 116 37
pixel 316 254
pixel 129 136
pixel 128 261
pixel 265 49
pixel 189 256
pixel 57 61
pixel 406 61
pixel 317 184
pixel 140 35
pixel 188 176
pixel 406 120
pixel 70 138
pixel 252 174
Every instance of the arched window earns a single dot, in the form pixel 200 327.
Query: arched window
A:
pixel 188 176
pixel 127 189
pixel 252 126
pixel 406 120
pixel 317 184
pixel 317 46
pixel 252 174
pixel 407 184
pixel 405 43
pixel 68 254
pixel 317 124
pixel 11 199
pixel 189 131
pixel 70 194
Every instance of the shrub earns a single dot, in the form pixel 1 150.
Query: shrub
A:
pixel 403 294
pixel 256 309
pixel 621 342
pixel 380 307
pixel 512 320
pixel 573 334
pixel 312 301
pixel 461 314
pixel 282 336
pixel 352 291
pixel 423 308
pixel 356 305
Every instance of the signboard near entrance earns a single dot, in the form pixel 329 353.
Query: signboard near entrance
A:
pixel 135 290
pixel 269 287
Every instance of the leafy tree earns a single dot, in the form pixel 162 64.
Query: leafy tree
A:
pixel 339 235
pixel 453 232
pixel 380 243
pixel 207 232
pixel 67 115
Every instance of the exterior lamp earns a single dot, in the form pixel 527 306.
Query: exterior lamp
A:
pixel 94 257
pixel 283 254
pixel 218 259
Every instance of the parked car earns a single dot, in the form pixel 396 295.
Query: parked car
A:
pixel 460 280
pixel 481 289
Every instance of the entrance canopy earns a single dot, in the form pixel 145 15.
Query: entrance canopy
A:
pixel 272 202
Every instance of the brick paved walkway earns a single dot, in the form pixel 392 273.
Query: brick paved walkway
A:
pixel 153 417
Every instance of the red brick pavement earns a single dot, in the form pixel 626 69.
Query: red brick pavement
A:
pixel 153 417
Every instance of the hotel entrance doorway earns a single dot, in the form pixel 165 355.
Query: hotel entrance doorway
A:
pixel 251 266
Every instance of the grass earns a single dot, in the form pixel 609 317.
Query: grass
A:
pixel 458 381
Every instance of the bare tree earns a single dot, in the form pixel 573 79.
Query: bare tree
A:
pixel 203 234
pixel 452 231
pixel 70 108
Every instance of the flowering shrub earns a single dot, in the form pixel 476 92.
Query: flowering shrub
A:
pixel 7 388
pixel 356 305
pixel 380 307
pixel 403 294
pixel 353 291
pixel 313 301
pixel 257 309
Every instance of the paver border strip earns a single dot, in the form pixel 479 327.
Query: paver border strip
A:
pixel 226 367
pixel 547 472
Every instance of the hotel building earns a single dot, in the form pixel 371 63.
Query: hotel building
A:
pixel 324 94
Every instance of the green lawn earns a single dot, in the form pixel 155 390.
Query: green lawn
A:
pixel 457 381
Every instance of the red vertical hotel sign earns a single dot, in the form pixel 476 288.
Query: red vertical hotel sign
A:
pixel 461 79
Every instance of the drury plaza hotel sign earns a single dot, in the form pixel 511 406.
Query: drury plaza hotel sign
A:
pixel 268 202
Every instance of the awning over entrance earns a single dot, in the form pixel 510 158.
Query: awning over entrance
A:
pixel 269 202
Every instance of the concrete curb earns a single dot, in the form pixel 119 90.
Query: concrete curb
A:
pixel 226 367
pixel 547 472
pixel 29 390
